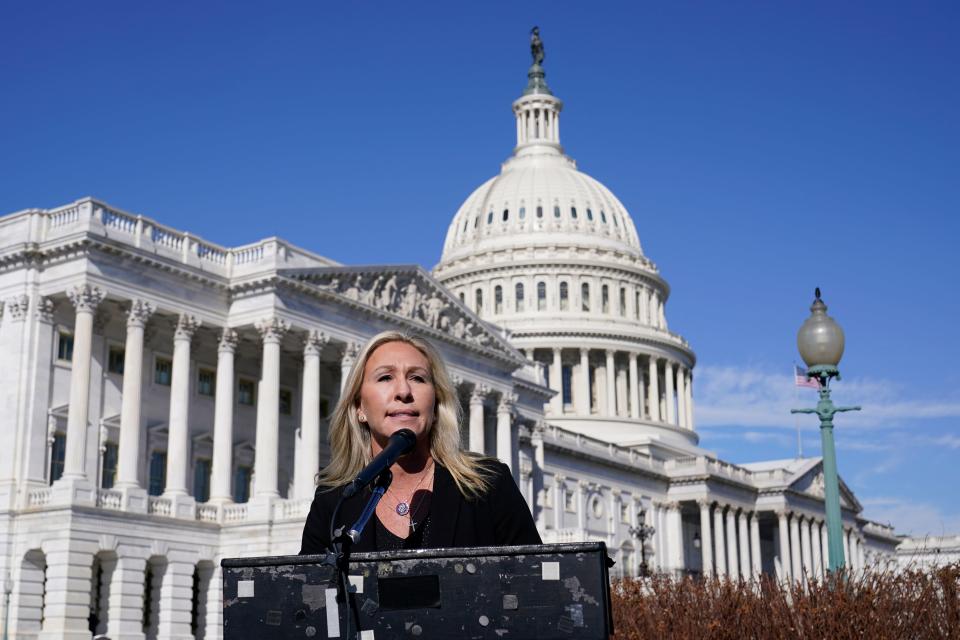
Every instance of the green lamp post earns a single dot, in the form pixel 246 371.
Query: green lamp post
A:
pixel 820 341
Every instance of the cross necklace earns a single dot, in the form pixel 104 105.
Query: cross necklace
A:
pixel 403 506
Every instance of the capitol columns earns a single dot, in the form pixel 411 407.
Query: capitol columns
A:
pixel 178 434
pixel 668 377
pixel 732 564
pixel 271 331
pixel 505 440
pixel 653 391
pixel 220 490
pixel 817 545
pixel 129 445
pixel 85 300
pixel 785 564
pixel 706 539
pixel 583 398
pixel 536 440
pixel 476 418
pixel 688 392
pixel 634 387
pixel 309 458
pixel 796 566
pixel 556 382
pixel 611 384
pixel 681 397
pixel 743 530
pixel 756 566
pixel 350 352
pixel 806 537
pixel 719 542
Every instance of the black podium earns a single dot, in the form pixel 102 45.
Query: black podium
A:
pixel 542 591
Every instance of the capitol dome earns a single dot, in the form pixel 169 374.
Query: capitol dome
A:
pixel 551 255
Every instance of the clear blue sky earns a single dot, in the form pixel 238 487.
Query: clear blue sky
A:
pixel 762 148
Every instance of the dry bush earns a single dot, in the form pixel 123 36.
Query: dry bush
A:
pixel 912 605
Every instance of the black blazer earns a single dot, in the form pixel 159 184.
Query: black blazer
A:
pixel 500 517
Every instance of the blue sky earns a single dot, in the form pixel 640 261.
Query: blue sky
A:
pixel 763 149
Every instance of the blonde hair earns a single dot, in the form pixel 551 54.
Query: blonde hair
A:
pixel 350 438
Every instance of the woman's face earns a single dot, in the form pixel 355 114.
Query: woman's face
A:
pixel 397 392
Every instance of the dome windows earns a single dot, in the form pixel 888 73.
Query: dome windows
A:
pixel 589 214
pixel 541 296
pixel 556 211
pixel 518 290
pixel 476 221
pixel 498 299
pixel 564 296
pixel 623 301
pixel 605 299
pixel 523 213
pixel 573 212
pixel 490 218
pixel 539 211
pixel 585 297
pixel 479 300
pixel 603 217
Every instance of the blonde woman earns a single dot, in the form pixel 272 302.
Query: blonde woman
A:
pixel 441 496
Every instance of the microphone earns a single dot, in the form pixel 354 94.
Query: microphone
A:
pixel 400 444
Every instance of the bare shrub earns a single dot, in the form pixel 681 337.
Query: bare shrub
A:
pixel 908 605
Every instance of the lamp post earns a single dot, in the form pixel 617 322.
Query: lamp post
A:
pixel 642 531
pixel 820 341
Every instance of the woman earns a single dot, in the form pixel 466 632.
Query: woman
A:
pixel 441 496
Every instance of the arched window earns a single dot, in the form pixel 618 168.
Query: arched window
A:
pixel 566 382
pixel 605 299
pixel 490 217
pixel 523 212
pixel 589 214
pixel 478 296
pixel 556 211
pixel 636 307
pixel 541 296
pixel 564 297
pixel 466 221
pixel 585 297
pixel 498 299
pixel 623 301
pixel 476 221
pixel 506 214
pixel 573 212
pixel 519 296
pixel 603 217
pixel 539 211
pixel 616 223
pixel 462 300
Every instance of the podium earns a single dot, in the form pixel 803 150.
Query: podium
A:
pixel 539 591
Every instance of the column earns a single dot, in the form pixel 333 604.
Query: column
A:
pixel 476 418
pixel 861 555
pixel 583 398
pixel 85 300
pixel 68 584
pixel 634 387
pixel 668 373
pixel 350 352
pixel 795 564
pixel 706 538
pixel 611 385
pixel 846 548
pixel 653 390
pixel 756 564
pixel 178 433
pixel 556 383
pixel 720 546
pixel 688 390
pixel 505 428
pixel 220 490
pixel 129 446
pixel 581 505
pixel 310 416
pixel 817 545
pixel 559 501
pixel 675 522
pixel 806 555
pixel 175 615
pixel 786 566
pixel 125 619
pixel 268 408
pixel 825 547
pixel 536 441
pixel 744 532
pixel 681 398
pixel 733 563
pixel 213 624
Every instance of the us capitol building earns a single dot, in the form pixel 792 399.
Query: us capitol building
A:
pixel 165 399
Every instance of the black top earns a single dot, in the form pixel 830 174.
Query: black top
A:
pixel 498 518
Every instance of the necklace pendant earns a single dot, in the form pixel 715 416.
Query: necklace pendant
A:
pixel 403 508
pixel 413 526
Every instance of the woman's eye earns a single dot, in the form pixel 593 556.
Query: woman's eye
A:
pixel 418 378
pixel 384 377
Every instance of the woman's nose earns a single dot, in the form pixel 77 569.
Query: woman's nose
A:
pixel 403 389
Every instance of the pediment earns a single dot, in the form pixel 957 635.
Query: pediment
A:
pixel 410 294
pixel 811 483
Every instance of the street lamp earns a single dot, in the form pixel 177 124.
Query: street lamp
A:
pixel 820 341
pixel 642 531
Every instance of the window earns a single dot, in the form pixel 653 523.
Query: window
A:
pixel 158 473
pixel 462 298
pixel 286 402
pixel 64 346
pixel 556 211
pixel 466 221
pixel 478 296
pixel 569 501
pixel 566 379
pixel 603 217
pixel 541 296
pixel 519 296
pixel 57 452
pixel 573 212
pixel 108 472
pixel 201 480
pixel 115 360
pixel 241 485
pixel 476 221
pixel 547 496
pixel 605 299
pixel 523 212
pixel 498 299
pixel 589 214
pixel 623 301
pixel 625 513
pixel 616 223
pixel 506 214
pixel 490 217
pixel 636 307
pixel 596 506
pixel 246 393
pixel 539 212
pixel 585 297
pixel 564 297
pixel 162 371
pixel 206 381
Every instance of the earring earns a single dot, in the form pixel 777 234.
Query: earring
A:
pixel 361 416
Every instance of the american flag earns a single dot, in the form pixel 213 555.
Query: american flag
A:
pixel 801 380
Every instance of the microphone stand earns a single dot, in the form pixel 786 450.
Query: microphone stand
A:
pixel 342 541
